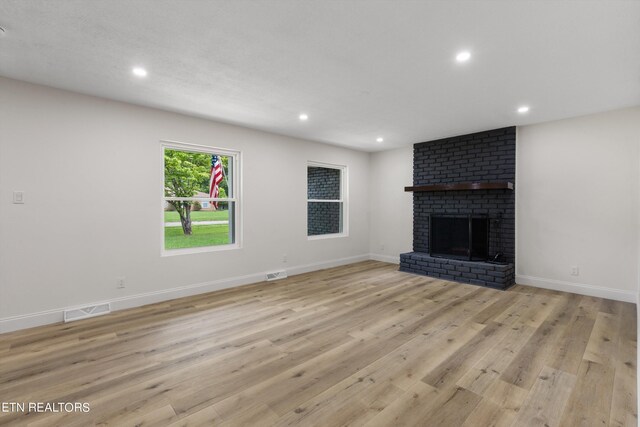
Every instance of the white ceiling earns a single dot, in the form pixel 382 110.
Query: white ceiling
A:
pixel 360 69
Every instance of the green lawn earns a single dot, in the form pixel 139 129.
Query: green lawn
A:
pixel 223 215
pixel 203 235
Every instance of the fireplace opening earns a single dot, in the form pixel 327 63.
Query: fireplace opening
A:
pixel 459 237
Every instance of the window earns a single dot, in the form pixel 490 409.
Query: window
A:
pixel 326 207
pixel 200 198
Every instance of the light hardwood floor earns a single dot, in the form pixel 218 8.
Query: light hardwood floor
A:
pixel 362 344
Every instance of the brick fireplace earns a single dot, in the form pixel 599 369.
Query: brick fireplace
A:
pixel 464 187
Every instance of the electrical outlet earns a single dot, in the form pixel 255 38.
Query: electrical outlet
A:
pixel 120 282
pixel 381 248
pixel 284 258
pixel 18 197
pixel 575 271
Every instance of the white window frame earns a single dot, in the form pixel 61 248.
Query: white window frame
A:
pixel 236 181
pixel 344 199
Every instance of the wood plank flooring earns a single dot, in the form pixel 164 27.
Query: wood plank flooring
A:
pixel 359 345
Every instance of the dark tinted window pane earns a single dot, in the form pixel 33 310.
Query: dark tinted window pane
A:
pixel 323 183
pixel 324 218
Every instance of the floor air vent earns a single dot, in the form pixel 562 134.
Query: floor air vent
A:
pixel 86 312
pixel 276 275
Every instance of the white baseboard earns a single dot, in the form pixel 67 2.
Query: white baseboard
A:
pixel 14 323
pixel 577 288
pixel 326 264
pixel 385 258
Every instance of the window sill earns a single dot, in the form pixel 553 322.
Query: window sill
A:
pixel 327 236
pixel 204 249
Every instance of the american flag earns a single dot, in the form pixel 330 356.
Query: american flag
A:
pixel 216 178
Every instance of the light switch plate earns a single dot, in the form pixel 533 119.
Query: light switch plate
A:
pixel 18 197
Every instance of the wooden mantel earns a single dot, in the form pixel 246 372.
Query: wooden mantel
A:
pixel 503 185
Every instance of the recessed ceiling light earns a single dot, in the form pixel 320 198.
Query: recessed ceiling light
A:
pixel 303 117
pixel 379 139
pixel 463 56
pixel 523 109
pixel 139 72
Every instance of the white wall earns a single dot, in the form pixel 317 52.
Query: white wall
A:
pixel 91 172
pixel 391 207
pixel 577 204
pixel 90 169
